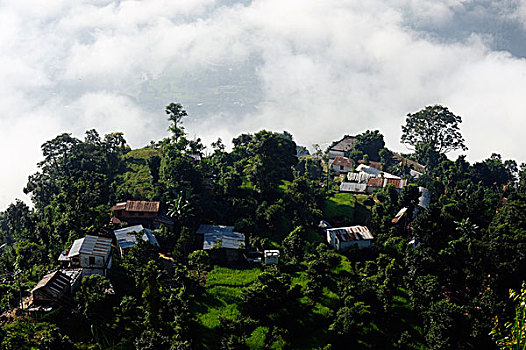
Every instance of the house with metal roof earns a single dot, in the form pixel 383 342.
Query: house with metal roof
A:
pixel 271 257
pixel 228 240
pixel 127 237
pixel 92 254
pixel 222 243
pixel 353 187
pixel 379 183
pixel 341 164
pixel 214 229
pixel 50 289
pixel 345 237
pixel 362 168
pixel 343 147
pixel 144 213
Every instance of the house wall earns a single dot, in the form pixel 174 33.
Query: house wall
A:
pixel 271 260
pixel 99 261
pixel 339 169
pixel 333 241
pixel 334 154
pixel 359 244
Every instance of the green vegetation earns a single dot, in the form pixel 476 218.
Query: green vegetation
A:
pixel 340 205
pixel 224 276
pixel 435 279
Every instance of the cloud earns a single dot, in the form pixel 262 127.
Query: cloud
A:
pixel 316 69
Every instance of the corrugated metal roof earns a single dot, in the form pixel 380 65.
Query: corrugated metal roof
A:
pixel 399 215
pixel 371 163
pixel 230 240
pixel 214 229
pixel 373 171
pixel 353 187
pixel 55 281
pixel 91 245
pixel 126 236
pixel 352 233
pixel 383 182
pixel 345 144
pixel 144 206
pixel 119 206
pixel 342 161
pixel 361 177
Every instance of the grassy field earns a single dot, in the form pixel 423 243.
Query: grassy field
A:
pixel 230 277
pixel 340 204
pixel 353 208
pixel 223 297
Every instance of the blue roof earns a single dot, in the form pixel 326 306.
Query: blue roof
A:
pixel 126 236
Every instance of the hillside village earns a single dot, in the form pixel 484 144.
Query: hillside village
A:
pixel 268 246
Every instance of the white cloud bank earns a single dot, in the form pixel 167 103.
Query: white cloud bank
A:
pixel 316 69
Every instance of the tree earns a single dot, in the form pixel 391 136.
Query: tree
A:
pixel 370 143
pixel 271 159
pixel 176 113
pixel 435 126
pixel 293 245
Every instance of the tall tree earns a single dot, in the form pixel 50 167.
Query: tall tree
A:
pixel 435 126
pixel 370 143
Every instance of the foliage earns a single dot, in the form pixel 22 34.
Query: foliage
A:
pixel 370 143
pixel 435 126
pixel 434 282
pixel 513 334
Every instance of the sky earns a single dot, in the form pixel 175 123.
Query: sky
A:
pixel 318 69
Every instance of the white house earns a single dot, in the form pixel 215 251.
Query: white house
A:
pixel 271 257
pixel 341 165
pixel 353 187
pixel 344 237
pixel 91 253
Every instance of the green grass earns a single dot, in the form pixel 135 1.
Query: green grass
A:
pixel 216 301
pixel 340 204
pixel 223 298
pixel 232 277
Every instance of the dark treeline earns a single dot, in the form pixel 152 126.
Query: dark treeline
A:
pixel 438 283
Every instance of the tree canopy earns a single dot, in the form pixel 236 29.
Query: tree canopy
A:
pixel 435 126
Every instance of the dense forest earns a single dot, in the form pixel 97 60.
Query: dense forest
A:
pixel 450 278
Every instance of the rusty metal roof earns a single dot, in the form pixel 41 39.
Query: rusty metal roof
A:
pixel 383 182
pixel 144 206
pixel 352 233
pixel 371 163
pixel 342 161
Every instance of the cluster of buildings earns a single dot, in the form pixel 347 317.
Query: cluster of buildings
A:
pixel 366 178
pixel 92 254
